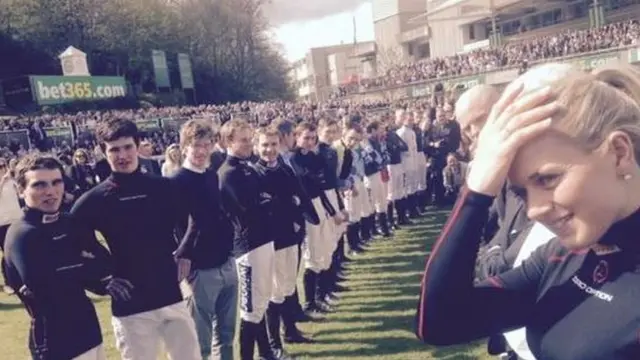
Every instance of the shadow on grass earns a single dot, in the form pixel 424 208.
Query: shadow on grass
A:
pixel 376 319
pixel 8 306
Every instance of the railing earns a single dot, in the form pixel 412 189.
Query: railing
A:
pixel 567 58
pixel 414 34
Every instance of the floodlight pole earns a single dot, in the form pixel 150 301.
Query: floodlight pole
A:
pixel 494 26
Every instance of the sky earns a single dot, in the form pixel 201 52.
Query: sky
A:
pixel 301 25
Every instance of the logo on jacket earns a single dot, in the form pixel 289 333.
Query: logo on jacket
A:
pixel 87 255
pixel 591 291
pixel 143 169
pixel 602 250
pixel 265 197
pixel 601 272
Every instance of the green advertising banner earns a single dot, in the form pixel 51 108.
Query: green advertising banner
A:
pixel 7 138
pixel 59 135
pixel 590 62
pixel 148 125
pixel 186 74
pixel 421 90
pixel 464 82
pixel 52 90
pixel 633 56
pixel 160 68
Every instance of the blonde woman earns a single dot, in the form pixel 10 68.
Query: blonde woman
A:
pixel 172 160
pixel 571 150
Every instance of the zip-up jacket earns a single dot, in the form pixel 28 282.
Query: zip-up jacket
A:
pixel 247 203
pixel 372 157
pixel 56 258
pixel 313 170
pixel 137 214
pixel 576 305
pixel 396 147
pixel 289 204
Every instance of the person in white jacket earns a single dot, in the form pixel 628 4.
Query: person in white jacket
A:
pixel 9 204
pixel 409 159
pixel 10 210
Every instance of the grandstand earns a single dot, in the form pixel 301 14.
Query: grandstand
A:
pixel 460 43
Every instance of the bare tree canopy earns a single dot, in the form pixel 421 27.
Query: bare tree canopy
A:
pixel 233 58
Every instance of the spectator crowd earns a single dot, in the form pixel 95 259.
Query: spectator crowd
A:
pixel 513 54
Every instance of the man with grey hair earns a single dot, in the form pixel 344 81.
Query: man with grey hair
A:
pixel 473 107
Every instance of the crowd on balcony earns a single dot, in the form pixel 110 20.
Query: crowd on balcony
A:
pixel 512 54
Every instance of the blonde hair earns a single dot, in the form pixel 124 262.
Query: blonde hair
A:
pixel 194 130
pixel 231 128
pixel 167 154
pixel 599 103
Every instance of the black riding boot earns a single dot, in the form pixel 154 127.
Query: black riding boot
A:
pixel 390 217
pixel 400 211
pixel 292 334
pixel 310 281
pixel 248 334
pixel 274 311
pixel 412 206
pixel 384 225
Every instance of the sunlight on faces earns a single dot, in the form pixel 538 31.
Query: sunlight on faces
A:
pixel 352 138
pixel 448 111
pixel 122 155
pixel 145 149
pixel 407 119
pixel 307 140
pixel 399 120
pixel 44 190
pixel 452 160
pixel 472 119
pixel 241 145
pixel 198 152
pixel 575 193
pixel 268 146
pixel 329 133
pixel 573 175
pixel 289 140
pixel 174 155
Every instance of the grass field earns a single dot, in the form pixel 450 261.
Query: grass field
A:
pixel 375 320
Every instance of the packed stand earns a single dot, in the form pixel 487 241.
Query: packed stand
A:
pixel 520 54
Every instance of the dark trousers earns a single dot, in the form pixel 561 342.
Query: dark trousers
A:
pixel 435 184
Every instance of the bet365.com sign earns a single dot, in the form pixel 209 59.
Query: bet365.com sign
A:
pixel 52 90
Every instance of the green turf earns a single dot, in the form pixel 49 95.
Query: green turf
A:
pixel 374 320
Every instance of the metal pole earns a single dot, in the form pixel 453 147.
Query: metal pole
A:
pixel 494 25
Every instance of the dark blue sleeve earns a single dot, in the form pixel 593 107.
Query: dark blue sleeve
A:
pixel 306 205
pixel 185 232
pixel 98 264
pixel 23 256
pixel 449 301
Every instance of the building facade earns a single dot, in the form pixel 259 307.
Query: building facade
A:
pixel 323 70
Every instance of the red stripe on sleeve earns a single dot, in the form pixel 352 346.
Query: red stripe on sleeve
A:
pixel 443 235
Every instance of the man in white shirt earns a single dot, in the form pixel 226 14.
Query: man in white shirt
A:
pixel 409 159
